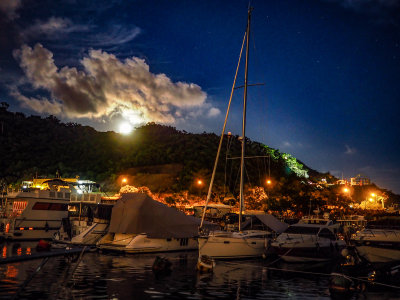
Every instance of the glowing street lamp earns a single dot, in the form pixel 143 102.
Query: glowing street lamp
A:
pixel 199 183
pixel 124 181
pixel 269 181
pixel 375 196
pixel 346 190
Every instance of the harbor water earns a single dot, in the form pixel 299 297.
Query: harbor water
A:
pixel 111 276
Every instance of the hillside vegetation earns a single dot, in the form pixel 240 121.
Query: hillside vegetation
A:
pixel 160 157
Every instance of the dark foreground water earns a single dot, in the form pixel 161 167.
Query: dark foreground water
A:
pixel 105 276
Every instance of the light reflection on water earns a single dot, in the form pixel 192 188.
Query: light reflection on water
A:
pixel 100 276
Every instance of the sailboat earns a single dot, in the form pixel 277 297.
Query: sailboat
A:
pixel 244 243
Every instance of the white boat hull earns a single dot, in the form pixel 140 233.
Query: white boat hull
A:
pixel 91 235
pixel 20 229
pixel 308 251
pixel 230 246
pixel 378 245
pixel 135 244
pixel 378 254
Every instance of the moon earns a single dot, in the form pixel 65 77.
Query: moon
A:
pixel 125 128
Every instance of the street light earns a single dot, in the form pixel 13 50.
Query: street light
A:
pixel 123 181
pixel 374 195
pixel 199 183
pixel 269 183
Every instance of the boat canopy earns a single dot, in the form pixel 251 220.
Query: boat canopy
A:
pixel 137 213
pixel 270 221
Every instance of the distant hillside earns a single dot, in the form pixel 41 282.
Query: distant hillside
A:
pixel 33 145
pixel 160 157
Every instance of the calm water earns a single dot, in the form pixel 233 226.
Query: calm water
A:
pixel 104 276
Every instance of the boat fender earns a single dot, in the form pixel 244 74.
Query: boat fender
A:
pixel 205 263
pixel 43 245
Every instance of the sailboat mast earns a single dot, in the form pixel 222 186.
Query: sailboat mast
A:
pixel 244 120
pixel 222 136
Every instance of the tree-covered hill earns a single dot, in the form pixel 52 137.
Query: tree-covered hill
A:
pixel 33 145
pixel 161 157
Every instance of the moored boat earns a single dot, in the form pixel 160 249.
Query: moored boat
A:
pixel 246 243
pixel 305 242
pixel 36 211
pixel 88 220
pixel 140 224
pixel 379 241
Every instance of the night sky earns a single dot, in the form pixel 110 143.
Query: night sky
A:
pixel 331 72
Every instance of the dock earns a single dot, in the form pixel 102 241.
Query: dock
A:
pixel 42 254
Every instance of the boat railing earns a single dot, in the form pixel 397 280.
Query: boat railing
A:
pixel 36 193
pixel 375 232
pixel 367 232
pixel 87 197
pixel 389 232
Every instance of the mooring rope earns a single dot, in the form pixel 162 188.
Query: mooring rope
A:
pixel 26 282
pixel 317 273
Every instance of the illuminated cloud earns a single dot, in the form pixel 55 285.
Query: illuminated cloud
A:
pixel 41 105
pixel 9 7
pixel 114 35
pixel 350 150
pixel 107 86
pixel 213 112
pixel 52 28
pixel 57 28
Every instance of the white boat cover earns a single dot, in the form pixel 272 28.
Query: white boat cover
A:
pixel 137 213
pixel 270 221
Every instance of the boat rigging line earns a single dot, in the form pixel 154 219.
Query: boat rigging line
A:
pixel 222 135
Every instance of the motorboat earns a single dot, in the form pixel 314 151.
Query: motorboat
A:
pixel 87 221
pixel 36 210
pixel 140 224
pixel 379 241
pixel 142 243
pixel 309 242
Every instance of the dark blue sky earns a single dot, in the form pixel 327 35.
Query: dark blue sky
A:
pixel 331 71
